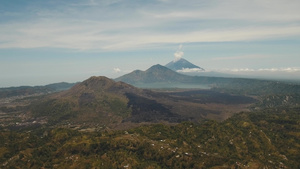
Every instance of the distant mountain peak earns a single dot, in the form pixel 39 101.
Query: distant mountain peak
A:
pixel 183 65
pixel 157 67
pixel 156 73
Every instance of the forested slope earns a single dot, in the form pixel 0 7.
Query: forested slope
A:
pixel 267 138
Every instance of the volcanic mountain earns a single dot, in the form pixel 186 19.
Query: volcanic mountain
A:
pixel 100 100
pixel 158 76
pixel 183 65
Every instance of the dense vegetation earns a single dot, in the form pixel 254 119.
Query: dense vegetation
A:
pixel 269 138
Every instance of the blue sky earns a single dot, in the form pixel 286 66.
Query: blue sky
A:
pixel 42 42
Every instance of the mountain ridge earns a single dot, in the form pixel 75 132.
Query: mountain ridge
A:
pixel 32 90
pixel 167 78
pixel 154 74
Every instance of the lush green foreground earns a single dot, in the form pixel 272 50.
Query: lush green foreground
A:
pixel 247 140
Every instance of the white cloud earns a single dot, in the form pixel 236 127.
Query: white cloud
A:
pixel 117 70
pixel 241 70
pixel 291 73
pixel 99 25
pixel 255 10
pixel 84 35
pixel 288 70
pixel 188 70
pixel 179 53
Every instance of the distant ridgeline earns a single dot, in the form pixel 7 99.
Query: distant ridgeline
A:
pixel 28 90
pixel 159 76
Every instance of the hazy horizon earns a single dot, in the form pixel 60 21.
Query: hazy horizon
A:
pixel 45 42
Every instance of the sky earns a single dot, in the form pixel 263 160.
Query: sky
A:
pixel 49 41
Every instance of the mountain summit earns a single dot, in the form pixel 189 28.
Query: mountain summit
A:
pixel 100 85
pixel 183 65
pixel 155 74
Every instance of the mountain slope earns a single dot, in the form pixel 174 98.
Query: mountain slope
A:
pixel 182 64
pixel 99 100
pixel 157 76
pixel 266 139
pixel 102 101
pixel 156 73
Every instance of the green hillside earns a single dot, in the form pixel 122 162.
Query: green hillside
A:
pixel 95 100
pixel 264 139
